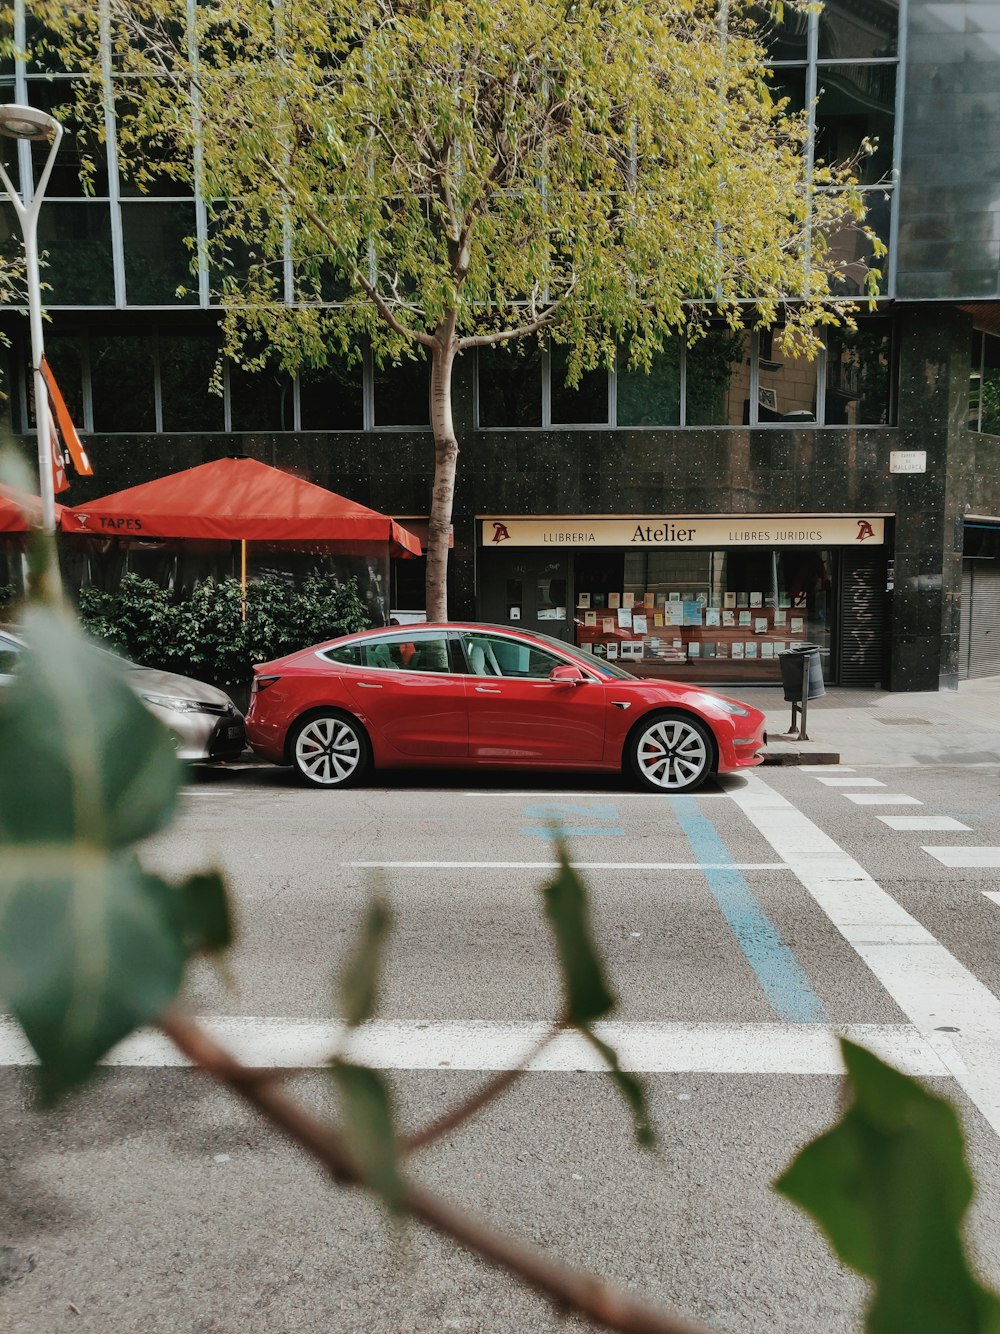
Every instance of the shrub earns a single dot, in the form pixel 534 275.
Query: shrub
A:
pixel 205 636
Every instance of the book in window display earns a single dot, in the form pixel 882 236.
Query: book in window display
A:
pixel 639 623
pixel 607 625
pixel 709 648
pixel 744 618
pixel 694 649
pixel 691 613
pixel 797 625
pixel 760 625
pixel 737 649
pixel 590 618
pixel 583 601
pixel 614 601
pixel 729 599
pixel 612 650
pixel 649 599
pixel 743 599
pixel 780 616
pixel 599 601
pixel 631 650
pixel 729 619
pixel 628 599
pixel 750 648
pixel 767 649
pixel 712 616
pixel 722 649
pixel 756 599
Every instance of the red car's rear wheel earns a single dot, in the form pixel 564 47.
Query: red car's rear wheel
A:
pixel 330 749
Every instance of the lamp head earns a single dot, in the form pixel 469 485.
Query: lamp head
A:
pixel 20 122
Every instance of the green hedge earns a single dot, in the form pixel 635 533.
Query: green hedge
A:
pixel 205 636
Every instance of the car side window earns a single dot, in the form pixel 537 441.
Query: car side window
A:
pixel 347 654
pixel 407 652
pixel 495 655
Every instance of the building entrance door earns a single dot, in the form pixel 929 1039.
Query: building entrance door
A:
pixel 527 590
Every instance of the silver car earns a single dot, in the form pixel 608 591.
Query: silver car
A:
pixel 203 720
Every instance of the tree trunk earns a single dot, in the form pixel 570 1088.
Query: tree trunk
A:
pixel 445 463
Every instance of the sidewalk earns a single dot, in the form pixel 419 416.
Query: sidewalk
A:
pixel 864 727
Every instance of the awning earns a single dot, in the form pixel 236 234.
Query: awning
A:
pixel 21 513
pixel 237 499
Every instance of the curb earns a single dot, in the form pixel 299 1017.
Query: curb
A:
pixel 791 757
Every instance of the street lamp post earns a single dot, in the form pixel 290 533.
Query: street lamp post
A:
pixel 20 122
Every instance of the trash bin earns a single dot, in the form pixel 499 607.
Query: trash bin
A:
pixel 794 665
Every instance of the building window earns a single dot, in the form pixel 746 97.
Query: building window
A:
pixel 187 363
pixel 717 382
pixel 331 397
pixel 78 265
pixel 652 399
pixel 510 384
pixel 402 393
pixel 122 383
pixel 157 260
pixel 859 375
pixel 260 400
pixel 582 404
pixel 984 388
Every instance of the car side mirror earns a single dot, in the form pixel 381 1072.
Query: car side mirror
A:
pixel 566 675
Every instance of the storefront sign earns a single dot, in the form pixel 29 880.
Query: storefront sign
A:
pixel 907 460
pixel 769 530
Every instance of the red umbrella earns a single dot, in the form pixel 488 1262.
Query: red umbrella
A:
pixel 20 513
pixel 237 499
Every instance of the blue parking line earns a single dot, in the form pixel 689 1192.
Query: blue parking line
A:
pixel 603 816
pixel 777 970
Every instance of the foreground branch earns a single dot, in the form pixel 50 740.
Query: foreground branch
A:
pixel 569 1288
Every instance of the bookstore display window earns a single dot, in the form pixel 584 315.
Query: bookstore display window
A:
pixel 722 615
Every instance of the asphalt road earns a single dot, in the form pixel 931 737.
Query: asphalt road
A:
pixel 741 927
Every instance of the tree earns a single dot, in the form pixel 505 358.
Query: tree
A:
pixel 474 172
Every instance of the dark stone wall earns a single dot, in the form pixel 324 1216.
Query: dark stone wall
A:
pixel 949 231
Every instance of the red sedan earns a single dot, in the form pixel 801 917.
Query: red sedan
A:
pixel 488 697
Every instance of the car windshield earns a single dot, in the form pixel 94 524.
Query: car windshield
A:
pixel 599 665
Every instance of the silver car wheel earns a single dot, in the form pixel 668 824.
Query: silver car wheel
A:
pixel 672 754
pixel 329 751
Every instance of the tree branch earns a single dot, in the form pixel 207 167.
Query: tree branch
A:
pixel 369 289
pixel 492 1089
pixel 569 1288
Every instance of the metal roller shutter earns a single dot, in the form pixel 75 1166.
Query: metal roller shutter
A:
pixel 983 617
pixel 861 622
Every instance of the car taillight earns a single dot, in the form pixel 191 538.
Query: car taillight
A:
pixel 262 682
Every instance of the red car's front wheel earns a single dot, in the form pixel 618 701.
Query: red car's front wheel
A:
pixel 330 750
pixel 671 752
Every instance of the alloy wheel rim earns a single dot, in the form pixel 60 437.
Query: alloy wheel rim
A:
pixel 672 754
pixel 328 751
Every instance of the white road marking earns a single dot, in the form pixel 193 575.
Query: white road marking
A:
pixel 579 866
pixel 826 768
pixel 881 799
pixel 837 781
pixel 653 1048
pixel 928 983
pixel 967 857
pixel 926 823
pixel 993 894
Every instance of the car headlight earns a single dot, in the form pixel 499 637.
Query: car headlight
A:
pixel 180 705
pixel 726 705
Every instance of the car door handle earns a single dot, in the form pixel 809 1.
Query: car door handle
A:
pixel 368 685
pixel 488 690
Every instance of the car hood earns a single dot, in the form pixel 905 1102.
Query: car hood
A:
pixel 157 682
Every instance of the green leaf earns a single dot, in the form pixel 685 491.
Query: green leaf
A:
pixel 369 1129
pixel 631 1088
pixel 587 993
pixel 359 984
pixel 890 1187
pixel 89 950
pixel 84 761
pixel 203 916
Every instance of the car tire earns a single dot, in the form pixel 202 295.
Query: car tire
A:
pixel 330 749
pixel 670 752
